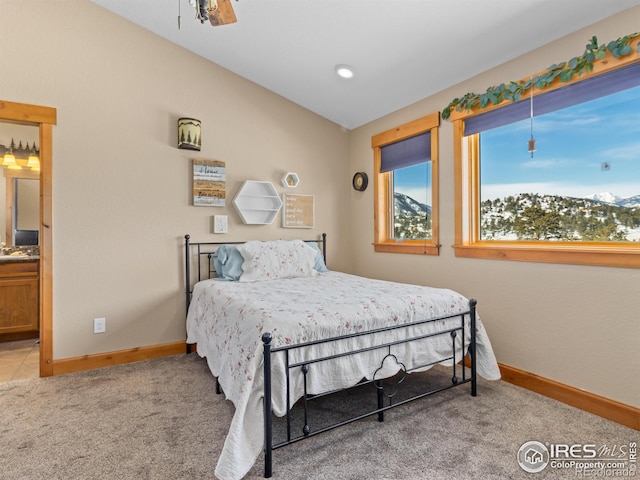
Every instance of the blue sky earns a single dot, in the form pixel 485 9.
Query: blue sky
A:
pixel 414 181
pixel 571 146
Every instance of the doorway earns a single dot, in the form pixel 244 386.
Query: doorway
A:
pixel 44 118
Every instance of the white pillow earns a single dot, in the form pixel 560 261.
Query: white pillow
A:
pixel 276 259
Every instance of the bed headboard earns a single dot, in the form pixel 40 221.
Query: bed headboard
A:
pixel 199 258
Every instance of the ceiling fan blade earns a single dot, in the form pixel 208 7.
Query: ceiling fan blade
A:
pixel 222 13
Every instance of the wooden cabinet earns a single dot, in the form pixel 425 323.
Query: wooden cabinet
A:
pixel 19 296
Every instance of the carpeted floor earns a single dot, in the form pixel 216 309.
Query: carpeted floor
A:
pixel 161 419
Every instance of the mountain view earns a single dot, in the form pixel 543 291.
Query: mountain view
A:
pixel 412 218
pixel 600 218
pixel 528 216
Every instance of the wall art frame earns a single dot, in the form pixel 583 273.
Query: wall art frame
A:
pixel 298 211
pixel 209 183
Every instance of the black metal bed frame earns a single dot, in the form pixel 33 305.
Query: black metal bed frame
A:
pixel 459 375
pixel 205 250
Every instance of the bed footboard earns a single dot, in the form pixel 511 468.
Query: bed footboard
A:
pixel 455 326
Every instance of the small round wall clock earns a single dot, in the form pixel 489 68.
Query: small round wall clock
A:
pixel 360 181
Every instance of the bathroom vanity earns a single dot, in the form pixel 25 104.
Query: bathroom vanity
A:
pixel 19 292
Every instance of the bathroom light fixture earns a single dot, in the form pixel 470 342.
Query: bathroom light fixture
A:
pixel 344 71
pixel 34 162
pixel 9 159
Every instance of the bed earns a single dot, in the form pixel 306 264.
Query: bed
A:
pixel 278 329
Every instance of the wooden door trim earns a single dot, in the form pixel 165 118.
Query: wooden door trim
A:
pixel 44 118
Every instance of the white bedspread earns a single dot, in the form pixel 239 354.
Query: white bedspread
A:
pixel 227 320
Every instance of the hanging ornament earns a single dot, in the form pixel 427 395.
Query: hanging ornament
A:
pixel 532 145
pixel 532 141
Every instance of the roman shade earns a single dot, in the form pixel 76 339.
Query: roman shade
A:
pixel 406 153
pixel 579 92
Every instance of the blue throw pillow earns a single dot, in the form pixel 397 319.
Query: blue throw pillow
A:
pixel 229 261
pixel 319 266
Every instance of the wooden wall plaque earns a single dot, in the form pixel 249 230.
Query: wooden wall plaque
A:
pixel 297 210
pixel 209 179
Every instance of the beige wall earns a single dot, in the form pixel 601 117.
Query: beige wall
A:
pixel 578 325
pixel 122 200
pixel 121 188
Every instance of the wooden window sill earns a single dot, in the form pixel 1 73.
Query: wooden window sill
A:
pixel 408 246
pixel 592 254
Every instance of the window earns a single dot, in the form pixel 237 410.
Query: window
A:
pixel 411 208
pixel 405 187
pixel 575 187
pixel 576 199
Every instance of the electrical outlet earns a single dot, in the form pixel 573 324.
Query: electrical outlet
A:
pixel 99 325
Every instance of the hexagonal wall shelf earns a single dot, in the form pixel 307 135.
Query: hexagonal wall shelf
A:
pixel 290 180
pixel 257 202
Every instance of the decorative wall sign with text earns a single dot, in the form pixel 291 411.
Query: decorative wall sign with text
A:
pixel 297 210
pixel 208 183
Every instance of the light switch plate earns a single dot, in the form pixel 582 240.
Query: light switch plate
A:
pixel 220 224
pixel 99 325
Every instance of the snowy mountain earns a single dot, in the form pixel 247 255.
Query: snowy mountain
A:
pixel 528 216
pixel 406 205
pixel 412 219
pixel 612 199
pixel 605 197
pixel 630 202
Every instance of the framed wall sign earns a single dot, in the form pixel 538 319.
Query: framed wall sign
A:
pixel 209 179
pixel 297 210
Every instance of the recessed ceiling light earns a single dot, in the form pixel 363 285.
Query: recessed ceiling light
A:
pixel 344 71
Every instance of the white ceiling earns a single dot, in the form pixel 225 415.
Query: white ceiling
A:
pixel 402 50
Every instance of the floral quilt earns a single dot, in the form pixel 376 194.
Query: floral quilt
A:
pixel 227 319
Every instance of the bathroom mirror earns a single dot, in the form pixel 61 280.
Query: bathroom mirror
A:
pixel 27 211
pixel 20 187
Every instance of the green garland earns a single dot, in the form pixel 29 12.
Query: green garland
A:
pixel 565 71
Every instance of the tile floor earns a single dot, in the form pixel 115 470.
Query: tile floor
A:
pixel 19 360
